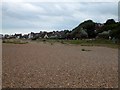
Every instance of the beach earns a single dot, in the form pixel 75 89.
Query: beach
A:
pixel 42 65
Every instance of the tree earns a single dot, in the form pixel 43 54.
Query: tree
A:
pixel 104 35
pixel 110 21
pixel 89 25
pixel 115 33
pixel 109 25
pixel 83 33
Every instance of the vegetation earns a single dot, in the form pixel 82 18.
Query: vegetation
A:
pixel 84 42
pixel 114 28
pixel 87 33
pixel 97 42
pixel 14 41
pixel 90 29
pixel 87 26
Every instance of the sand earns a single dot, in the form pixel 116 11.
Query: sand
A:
pixel 42 65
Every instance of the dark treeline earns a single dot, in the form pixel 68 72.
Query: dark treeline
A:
pixel 89 29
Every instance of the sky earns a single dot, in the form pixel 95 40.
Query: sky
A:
pixel 25 17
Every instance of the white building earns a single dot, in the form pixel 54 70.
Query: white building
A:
pixel 30 35
pixel 46 36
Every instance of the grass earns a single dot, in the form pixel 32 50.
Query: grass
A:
pixel 14 41
pixel 97 42
pixel 51 41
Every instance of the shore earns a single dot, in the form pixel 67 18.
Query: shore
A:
pixel 42 65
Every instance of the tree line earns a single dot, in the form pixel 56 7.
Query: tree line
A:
pixel 89 29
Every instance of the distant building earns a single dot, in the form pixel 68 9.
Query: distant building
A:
pixel 25 36
pixel 46 36
pixel 31 35
pixel 6 36
pixel 98 26
pixel 18 36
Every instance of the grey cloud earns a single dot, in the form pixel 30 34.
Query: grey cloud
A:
pixel 55 15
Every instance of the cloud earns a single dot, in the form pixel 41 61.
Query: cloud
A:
pixel 99 12
pixel 60 0
pixel 54 16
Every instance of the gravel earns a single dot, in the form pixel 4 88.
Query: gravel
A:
pixel 42 65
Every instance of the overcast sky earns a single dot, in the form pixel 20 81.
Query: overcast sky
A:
pixel 24 17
